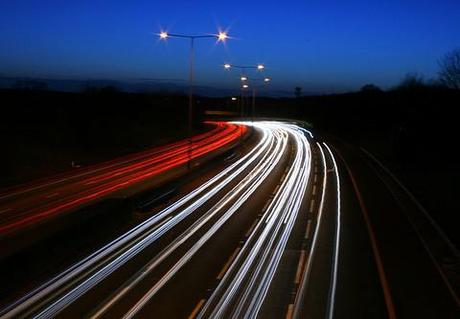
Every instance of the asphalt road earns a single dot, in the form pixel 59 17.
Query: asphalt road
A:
pixel 289 226
pixel 24 206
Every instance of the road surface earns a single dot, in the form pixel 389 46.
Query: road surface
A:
pixel 31 204
pixel 293 227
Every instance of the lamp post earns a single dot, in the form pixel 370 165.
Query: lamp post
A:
pixel 244 78
pixel 221 37
pixel 243 68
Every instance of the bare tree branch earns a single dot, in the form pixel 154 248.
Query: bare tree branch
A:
pixel 449 73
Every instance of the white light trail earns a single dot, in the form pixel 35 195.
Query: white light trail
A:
pixel 59 292
pixel 298 303
pixel 243 288
pixel 331 302
pixel 240 193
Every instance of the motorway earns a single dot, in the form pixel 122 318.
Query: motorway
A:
pixel 289 226
pixel 31 204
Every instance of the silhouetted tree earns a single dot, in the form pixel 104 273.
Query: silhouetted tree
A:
pixel 298 91
pixel 411 81
pixel 449 75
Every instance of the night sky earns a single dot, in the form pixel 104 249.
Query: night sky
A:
pixel 320 45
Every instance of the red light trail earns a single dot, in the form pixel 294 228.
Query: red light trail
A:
pixel 101 180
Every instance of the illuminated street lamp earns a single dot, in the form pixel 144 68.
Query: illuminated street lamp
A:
pixel 243 68
pixel 221 36
pixel 244 78
pixel 163 35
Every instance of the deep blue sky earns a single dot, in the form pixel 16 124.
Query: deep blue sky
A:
pixel 320 45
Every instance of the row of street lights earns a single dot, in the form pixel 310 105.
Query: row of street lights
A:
pixel 221 36
pixel 245 80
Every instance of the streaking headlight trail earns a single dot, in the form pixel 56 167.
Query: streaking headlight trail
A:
pixel 244 286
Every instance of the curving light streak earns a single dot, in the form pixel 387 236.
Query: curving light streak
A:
pixel 241 193
pixel 184 236
pixel 254 267
pixel 331 302
pixel 298 303
pixel 120 178
pixel 124 160
pixel 243 288
pixel 55 295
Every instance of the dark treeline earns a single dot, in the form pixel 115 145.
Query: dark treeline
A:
pixel 412 129
pixel 410 120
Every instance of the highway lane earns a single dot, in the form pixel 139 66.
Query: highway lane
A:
pixel 415 263
pixel 152 223
pixel 61 292
pixel 243 289
pixel 33 265
pixel 34 203
pixel 316 285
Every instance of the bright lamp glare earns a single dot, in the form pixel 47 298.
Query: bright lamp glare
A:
pixel 243 78
pixel 260 67
pixel 163 35
pixel 267 79
pixel 245 86
pixel 233 98
pixel 227 66
pixel 222 36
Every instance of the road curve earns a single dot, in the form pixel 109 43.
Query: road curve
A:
pixel 22 207
pixel 284 229
pixel 228 191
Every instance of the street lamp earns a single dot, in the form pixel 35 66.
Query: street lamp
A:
pixel 244 78
pixel 243 68
pixel 221 36
pixel 163 35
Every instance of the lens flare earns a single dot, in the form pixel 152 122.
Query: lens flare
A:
pixel 222 36
pixel 163 35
